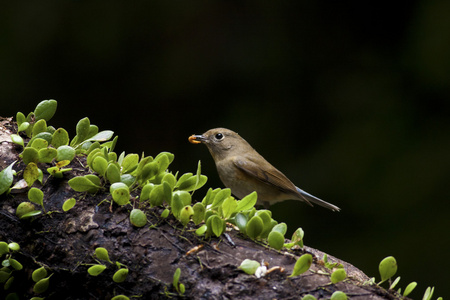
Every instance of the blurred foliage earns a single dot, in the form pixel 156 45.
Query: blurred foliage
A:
pixel 349 99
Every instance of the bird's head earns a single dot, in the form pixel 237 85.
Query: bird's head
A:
pixel 221 142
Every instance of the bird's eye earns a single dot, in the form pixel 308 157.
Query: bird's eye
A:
pixel 219 136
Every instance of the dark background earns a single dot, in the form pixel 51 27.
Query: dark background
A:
pixel 350 99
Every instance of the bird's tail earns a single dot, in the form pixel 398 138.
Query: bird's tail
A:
pixel 313 199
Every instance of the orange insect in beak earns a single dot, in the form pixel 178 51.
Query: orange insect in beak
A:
pixel 193 139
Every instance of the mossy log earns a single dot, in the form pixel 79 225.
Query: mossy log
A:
pixel 64 243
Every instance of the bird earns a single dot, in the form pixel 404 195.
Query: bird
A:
pixel 243 170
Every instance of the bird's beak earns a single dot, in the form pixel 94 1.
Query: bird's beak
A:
pixel 197 139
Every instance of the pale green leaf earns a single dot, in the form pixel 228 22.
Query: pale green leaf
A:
pixel 199 213
pixel 82 129
pixel 47 155
pixel 39 126
pixel 241 222
pixel 176 277
pixel 249 266
pixel 217 225
pixel 6 178
pixel 120 275
pixel 138 218
pixel 99 165
pixel 409 288
pixel 387 268
pixel 129 163
pixel 201 230
pixel 302 265
pixel 338 295
pixel 82 184
pixel 113 173
pixel 185 214
pixel 247 202
pixel 96 270
pixel 281 228
pixel 30 214
pixel 229 207
pixel 24 126
pixel 121 195
pixel 338 275
pixel 220 197
pixel 276 240
pixel 60 138
pixel 24 208
pixel 102 136
pixel 254 227
pixel 65 153
pixel 39 274
pixel 17 139
pixel 30 155
pixel 35 195
pixel 31 173
pixel 41 286
pixel 102 253
pixel 45 110
pixel 68 204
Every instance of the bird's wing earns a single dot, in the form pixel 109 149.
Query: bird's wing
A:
pixel 266 173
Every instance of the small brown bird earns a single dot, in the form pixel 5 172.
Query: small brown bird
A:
pixel 244 170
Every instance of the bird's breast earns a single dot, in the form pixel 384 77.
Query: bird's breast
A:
pixel 242 184
pixel 233 178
